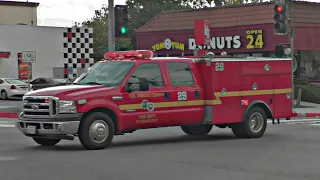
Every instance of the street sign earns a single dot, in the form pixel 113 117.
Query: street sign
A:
pixel 70 70
pixel 29 56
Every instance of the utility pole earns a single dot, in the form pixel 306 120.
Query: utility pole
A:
pixel 292 48
pixel 111 39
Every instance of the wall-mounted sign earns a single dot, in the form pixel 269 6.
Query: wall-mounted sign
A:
pixel 23 68
pixel 255 38
pixel 168 44
pixel 227 42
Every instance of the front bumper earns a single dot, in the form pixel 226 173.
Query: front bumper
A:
pixel 62 126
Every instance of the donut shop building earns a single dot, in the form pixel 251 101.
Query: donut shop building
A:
pixel 238 30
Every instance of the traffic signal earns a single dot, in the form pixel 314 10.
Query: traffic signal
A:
pixel 279 51
pixel 121 21
pixel 280 17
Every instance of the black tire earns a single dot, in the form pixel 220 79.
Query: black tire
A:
pixel 4 95
pixel 46 142
pixel 86 138
pixel 246 130
pixel 197 130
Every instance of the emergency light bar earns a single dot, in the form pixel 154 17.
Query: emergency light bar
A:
pixel 135 54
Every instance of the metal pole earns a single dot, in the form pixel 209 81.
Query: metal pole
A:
pixel 28 73
pixel 292 47
pixel 111 43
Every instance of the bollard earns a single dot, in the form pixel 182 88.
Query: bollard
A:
pixel 299 97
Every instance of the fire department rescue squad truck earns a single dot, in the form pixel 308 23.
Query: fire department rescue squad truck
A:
pixel 133 90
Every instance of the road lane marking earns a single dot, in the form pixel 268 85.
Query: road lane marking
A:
pixel 9 158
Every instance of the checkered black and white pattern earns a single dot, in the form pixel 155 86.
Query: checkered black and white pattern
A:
pixel 78 50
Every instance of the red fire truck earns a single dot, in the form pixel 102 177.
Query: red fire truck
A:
pixel 133 90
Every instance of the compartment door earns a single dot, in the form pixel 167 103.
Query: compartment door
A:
pixel 258 88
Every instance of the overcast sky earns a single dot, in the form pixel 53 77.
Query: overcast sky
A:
pixel 65 12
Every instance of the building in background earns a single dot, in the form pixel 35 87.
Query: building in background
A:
pixel 59 52
pixel 242 29
pixel 14 12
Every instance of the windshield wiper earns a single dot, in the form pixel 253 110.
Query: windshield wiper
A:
pixel 92 83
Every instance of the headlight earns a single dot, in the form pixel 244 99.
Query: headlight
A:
pixel 67 107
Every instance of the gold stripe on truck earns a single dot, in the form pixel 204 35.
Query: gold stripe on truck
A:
pixel 215 101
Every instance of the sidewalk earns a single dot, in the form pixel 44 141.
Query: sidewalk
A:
pixel 309 108
pixel 7 122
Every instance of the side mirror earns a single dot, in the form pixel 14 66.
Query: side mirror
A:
pixel 141 84
pixel 144 84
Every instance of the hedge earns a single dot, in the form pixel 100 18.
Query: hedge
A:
pixel 309 93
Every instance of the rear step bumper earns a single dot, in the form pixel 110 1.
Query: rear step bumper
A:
pixel 305 114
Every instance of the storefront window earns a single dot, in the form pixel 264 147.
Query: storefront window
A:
pixel 310 65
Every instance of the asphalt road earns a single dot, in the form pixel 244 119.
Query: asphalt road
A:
pixel 286 152
pixel 11 102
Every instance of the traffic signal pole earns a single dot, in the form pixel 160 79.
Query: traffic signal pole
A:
pixel 291 30
pixel 292 48
pixel 111 30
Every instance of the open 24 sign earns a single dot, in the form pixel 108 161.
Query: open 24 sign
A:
pixel 255 39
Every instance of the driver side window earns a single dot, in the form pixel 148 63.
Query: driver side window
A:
pixel 151 72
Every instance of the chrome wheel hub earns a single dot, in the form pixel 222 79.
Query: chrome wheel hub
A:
pixel 99 131
pixel 256 122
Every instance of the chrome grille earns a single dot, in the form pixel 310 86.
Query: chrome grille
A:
pixel 39 106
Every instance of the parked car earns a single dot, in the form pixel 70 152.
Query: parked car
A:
pixel 45 82
pixel 10 87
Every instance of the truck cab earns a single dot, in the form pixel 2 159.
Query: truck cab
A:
pixel 133 90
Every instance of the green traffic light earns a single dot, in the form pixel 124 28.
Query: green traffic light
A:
pixel 124 30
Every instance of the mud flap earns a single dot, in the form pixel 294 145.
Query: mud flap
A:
pixel 208 115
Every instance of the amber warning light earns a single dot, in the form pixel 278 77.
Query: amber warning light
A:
pixel 136 54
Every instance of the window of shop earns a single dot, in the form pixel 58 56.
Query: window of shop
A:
pixel 310 65
pixel 180 74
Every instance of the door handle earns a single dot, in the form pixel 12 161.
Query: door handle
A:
pixel 166 96
pixel 197 94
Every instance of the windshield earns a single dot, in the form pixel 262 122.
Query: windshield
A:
pixel 110 73
pixel 15 81
pixel 59 80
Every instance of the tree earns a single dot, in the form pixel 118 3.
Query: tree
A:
pixel 217 3
pixel 99 23
pixel 142 11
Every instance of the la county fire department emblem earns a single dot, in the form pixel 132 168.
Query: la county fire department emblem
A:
pixel 147 105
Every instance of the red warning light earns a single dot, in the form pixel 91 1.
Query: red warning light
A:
pixel 279 9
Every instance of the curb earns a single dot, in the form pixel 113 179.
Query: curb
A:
pixel 9 112
pixel 8 115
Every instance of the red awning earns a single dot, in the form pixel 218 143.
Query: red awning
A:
pixel 5 54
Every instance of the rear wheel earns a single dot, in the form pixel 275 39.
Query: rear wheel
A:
pixel 254 126
pixel 96 131
pixel 46 142
pixel 197 130
pixel 4 95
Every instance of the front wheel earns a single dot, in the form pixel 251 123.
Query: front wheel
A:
pixel 46 142
pixel 197 130
pixel 96 131
pixel 254 126
pixel 4 95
